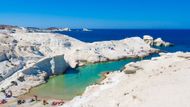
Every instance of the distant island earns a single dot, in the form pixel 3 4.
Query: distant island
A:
pixel 11 28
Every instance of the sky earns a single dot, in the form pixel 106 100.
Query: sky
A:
pixel 164 14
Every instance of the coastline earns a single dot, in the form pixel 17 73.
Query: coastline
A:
pixel 103 76
pixel 72 56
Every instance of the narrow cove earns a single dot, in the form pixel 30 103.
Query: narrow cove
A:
pixel 74 81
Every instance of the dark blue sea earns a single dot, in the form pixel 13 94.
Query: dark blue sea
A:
pixel 180 38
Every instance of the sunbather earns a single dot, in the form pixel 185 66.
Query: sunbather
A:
pixel 3 101
pixel 45 102
pixel 59 103
pixel 8 94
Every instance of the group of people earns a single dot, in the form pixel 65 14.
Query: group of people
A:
pixel 35 98
pixel 7 94
pixel 57 103
pixel 44 102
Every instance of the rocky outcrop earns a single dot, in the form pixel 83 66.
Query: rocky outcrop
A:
pixel 148 39
pixel 131 69
pixel 157 42
pixel 20 83
pixel 108 51
pixel 160 42
pixel 35 75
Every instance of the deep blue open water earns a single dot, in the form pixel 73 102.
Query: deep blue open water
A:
pixel 181 38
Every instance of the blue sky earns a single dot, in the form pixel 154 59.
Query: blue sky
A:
pixel 96 13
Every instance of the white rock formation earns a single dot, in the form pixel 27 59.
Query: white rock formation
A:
pixel 160 42
pixel 148 39
pixel 159 82
pixel 109 50
pixel 33 54
pixel 35 75
pixel 157 42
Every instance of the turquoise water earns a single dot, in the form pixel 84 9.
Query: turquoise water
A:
pixel 74 81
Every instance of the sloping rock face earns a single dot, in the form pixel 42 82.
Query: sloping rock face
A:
pixel 36 74
pixel 51 65
pixel 8 68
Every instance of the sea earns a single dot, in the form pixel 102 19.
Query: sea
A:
pixel 74 81
pixel 179 37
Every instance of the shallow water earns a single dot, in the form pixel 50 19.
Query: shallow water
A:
pixel 74 81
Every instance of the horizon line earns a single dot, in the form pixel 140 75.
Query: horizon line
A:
pixel 117 28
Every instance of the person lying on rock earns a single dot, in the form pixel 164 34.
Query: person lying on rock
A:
pixel 19 102
pixel 3 101
pixel 45 102
pixel 7 94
